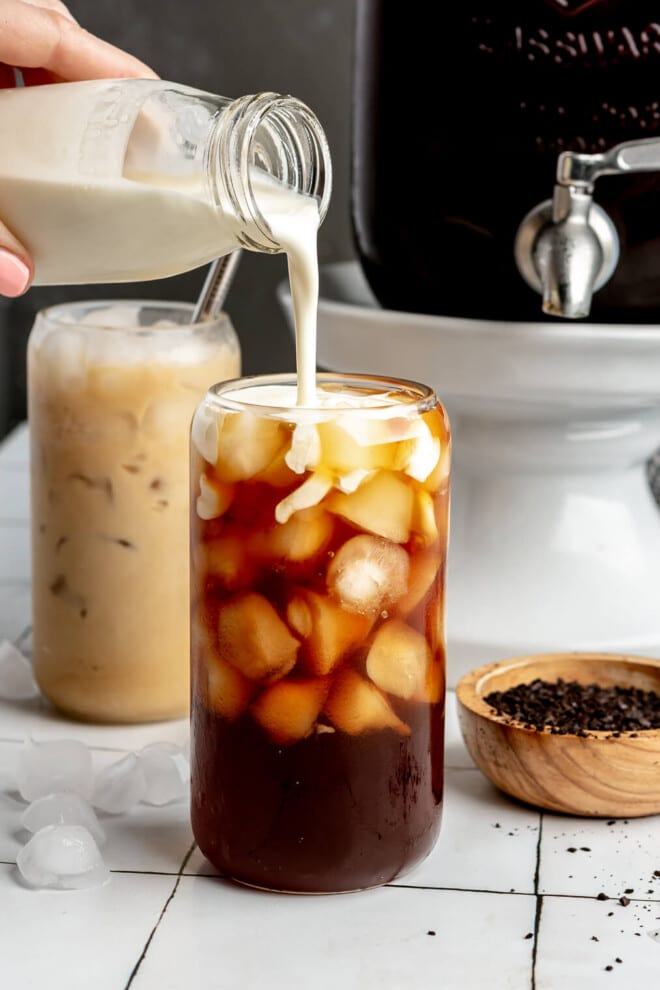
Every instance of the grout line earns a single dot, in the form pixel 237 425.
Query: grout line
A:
pixel 151 873
pixel 539 902
pixel 537 929
pixel 180 874
pixel 162 914
pixel 464 890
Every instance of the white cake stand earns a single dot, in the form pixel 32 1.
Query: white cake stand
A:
pixel 555 535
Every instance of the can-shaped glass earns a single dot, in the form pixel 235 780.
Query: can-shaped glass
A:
pixel 112 388
pixel 318 545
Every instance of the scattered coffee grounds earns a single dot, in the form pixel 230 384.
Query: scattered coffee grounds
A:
pixel 569 707
pixel 430 932
pixel 529 935
pixel 602 897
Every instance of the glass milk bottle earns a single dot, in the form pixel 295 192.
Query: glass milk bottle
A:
pixel 112 388
pixel 128 180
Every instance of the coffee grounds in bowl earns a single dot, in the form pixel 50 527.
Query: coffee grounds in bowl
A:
pixel 567 707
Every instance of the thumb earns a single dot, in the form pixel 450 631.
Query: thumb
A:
pixel 16 269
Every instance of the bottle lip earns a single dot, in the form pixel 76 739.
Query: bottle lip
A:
pixel 234 144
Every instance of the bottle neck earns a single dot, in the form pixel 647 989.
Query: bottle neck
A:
pixel 271 134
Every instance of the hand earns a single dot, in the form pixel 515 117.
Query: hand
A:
pixel 42 40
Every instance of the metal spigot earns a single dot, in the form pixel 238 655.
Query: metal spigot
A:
pixel 567 247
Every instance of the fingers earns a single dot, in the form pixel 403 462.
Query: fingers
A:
pixel 15 265
pixel 53 5
pixel 37 36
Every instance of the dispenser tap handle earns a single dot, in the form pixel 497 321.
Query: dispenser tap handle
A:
pixel 581 171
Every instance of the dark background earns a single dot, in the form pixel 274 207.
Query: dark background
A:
pixel 300 47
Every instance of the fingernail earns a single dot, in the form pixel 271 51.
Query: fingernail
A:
pixel 14 274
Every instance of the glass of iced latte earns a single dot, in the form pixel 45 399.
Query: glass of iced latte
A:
pixel 318 546
pixel 112 388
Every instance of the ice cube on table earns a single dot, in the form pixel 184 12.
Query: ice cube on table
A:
pixel 16 680
pixel 65 857
pixel 120 786
pixel 62 808
pixel 166 772
pixel 55 765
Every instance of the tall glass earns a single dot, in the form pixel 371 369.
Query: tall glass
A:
pixel 318 542
pixel 112 388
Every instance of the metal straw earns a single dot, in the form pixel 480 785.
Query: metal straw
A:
pixel 216 286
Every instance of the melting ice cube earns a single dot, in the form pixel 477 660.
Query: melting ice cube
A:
pixel 166 771
pixel 57 765
pixel 16 680
pixel 367 573
pixel 62 856
pixel 120 786
pixel 62 808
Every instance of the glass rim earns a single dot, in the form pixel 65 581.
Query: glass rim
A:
pixel 54 316
pixel 420 397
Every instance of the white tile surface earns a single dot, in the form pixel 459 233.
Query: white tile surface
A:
pixel 15 448
pixel 610 857
pixel 568 956
pixel 38 718
pixel 75 940
pixel 486 841
pixel 14 493
pixel 15 564
pixel 15 611
pixel 368 941
pixel 456 755
pixel 198 865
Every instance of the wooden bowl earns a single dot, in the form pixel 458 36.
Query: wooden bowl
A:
pixel 596 775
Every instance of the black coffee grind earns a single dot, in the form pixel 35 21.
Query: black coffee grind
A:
pixel 569 707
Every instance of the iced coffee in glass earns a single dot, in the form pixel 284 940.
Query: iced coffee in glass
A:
pixel 318 547
pixel 112 388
